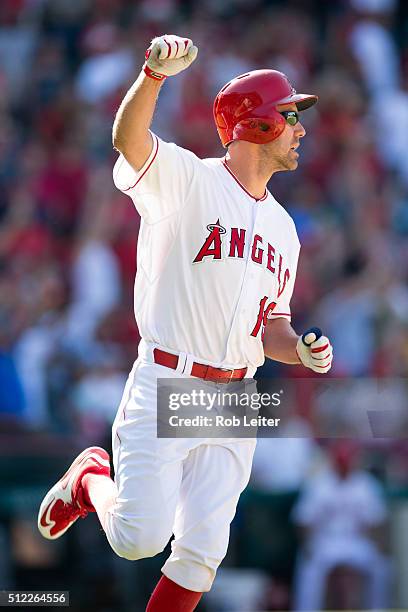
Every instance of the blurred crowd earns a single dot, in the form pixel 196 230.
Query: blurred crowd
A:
pixel 68 238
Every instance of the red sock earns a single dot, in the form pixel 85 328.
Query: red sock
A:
pixel 171 597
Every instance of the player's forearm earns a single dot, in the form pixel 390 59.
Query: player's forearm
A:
pixel 280 341
pixel 130 131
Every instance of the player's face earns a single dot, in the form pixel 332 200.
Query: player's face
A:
pixel 283 152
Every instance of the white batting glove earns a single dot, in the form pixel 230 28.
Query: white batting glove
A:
pixel 315 350
pixel 168 55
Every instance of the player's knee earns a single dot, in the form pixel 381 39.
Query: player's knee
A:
pixel 134 543
pixel 144 548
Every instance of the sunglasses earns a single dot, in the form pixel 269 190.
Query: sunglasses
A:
pixel 291 117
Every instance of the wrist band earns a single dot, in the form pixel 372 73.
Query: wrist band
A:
pixel 156 76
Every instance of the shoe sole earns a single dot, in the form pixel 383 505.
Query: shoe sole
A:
pixel 62 490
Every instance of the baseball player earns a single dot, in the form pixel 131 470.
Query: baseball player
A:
pixel 337 511
pixel 217 258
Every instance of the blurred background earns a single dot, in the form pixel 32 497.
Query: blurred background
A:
pixel 323 523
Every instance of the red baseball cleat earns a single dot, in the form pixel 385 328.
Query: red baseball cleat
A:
pixel 65 503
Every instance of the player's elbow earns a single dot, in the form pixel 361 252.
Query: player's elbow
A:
pixel 122 146
pixel 120 135
pixel 136 151
pixel 118 140
pixel 129 141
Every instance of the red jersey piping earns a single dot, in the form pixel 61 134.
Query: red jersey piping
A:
pixel 265 195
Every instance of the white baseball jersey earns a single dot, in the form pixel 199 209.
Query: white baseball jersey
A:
pixel 339 510
pixel 213 262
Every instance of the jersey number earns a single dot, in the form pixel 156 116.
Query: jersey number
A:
pixel 264 310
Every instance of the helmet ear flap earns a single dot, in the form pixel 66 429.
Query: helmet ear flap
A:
pixel 260 130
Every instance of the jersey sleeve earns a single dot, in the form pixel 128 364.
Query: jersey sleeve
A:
pixel 159 189
pixel 282 308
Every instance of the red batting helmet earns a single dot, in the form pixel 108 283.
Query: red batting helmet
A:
pixel 245 108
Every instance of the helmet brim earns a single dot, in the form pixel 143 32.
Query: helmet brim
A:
pixel 302 101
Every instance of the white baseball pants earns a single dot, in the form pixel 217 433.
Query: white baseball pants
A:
pixel 188 487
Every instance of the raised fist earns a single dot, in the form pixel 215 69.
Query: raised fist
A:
pixel 168 55
pixel 315 351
